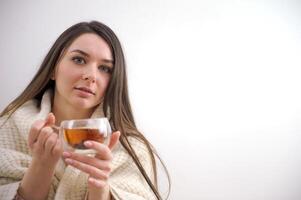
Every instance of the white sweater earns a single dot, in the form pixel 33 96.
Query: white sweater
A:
pixel 68 183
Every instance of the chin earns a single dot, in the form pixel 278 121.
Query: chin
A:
pixel 83 105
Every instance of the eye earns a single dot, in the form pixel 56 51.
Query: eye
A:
pixel 105 69
pixel 78 60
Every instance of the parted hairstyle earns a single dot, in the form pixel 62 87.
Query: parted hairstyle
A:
pixel 116 102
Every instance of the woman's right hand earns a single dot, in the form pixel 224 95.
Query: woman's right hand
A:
pixel 46 151
pixel 44 143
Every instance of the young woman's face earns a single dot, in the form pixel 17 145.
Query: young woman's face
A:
pixel 83 73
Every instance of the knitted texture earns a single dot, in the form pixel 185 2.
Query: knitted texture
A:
pixel 68 183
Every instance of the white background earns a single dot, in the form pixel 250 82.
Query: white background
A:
pixel 214 84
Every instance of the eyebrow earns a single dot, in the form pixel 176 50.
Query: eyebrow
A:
pixel 87 55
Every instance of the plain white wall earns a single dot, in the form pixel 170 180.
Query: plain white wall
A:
pixel 214 84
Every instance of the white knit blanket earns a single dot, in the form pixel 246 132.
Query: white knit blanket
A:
pixel 68 183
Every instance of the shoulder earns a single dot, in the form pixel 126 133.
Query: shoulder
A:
pixel 122 158
pixel 34 108
pixel 137 144
pixel 139 147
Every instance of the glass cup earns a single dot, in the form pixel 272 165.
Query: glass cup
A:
pixel 74 133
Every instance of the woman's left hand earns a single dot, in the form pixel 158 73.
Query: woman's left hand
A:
pixel 98 167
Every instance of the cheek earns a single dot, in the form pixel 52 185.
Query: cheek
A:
pixel 65 75
pixel 106 82
pixel 103 84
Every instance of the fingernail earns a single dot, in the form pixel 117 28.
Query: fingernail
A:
pixel 66 154
pixel 68 161
pixel 88 144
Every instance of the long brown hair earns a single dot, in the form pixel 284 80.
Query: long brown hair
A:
pixel 116 101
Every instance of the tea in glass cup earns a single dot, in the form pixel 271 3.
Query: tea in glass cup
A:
pixel 75 132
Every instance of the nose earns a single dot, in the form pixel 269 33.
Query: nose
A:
pixel 89 75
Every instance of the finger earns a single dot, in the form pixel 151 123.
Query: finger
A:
pixel 58 148
pixel 34 132
pixel 91 170
pixel 102 151
pixel 37 126
pixel 45 133
pixel 50 119
pixel 50 143
pixel 100 164
pixel 114 139
pixel 96 183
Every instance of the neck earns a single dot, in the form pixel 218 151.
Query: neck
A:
pixel 67 112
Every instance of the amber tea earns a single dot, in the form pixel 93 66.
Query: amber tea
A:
pixel 75 132
pixel 77 136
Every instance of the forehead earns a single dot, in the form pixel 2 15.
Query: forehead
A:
pixel 93 45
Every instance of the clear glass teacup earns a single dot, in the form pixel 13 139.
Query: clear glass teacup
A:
pixel 74 133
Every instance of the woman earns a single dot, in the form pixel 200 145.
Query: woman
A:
pixel 82 76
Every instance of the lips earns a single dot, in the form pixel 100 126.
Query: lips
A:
pixel 85 89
